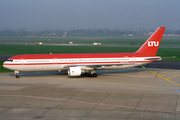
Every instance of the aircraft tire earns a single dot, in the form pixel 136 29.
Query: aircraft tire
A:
pixel 17 76
pixel 94 75
pixel 90 75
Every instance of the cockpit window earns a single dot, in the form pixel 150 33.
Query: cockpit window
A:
pixel 9 60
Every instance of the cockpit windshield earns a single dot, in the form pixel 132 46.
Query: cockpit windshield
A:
pixel 9 60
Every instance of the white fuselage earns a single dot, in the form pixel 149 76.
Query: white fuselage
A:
pixel 60 64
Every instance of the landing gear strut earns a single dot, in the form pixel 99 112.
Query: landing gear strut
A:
pixel 92 74
pixel 16 74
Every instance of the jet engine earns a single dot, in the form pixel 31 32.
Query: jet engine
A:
pixel 76 71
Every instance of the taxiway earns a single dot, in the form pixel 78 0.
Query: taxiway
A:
pixel 129 94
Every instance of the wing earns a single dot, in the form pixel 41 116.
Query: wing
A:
pixel 96 66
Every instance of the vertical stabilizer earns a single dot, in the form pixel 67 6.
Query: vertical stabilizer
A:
pixel 150 47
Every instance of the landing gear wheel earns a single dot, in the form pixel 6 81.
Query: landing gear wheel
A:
pixel 17 76
pixel 90 75
pixel 94 75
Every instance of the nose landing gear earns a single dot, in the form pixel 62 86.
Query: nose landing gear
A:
pixel 16 74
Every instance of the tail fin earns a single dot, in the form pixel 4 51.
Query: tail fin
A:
pixel 150 47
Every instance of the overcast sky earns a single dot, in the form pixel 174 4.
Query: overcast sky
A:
pixel 89 14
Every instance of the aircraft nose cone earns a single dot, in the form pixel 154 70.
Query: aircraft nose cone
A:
pixel 4 65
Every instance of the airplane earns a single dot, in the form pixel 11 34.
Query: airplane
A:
pixel 78 64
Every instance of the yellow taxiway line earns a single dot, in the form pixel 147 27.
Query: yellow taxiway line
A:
pixel 167 79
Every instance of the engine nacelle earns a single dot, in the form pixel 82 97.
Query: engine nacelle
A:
pixel 74 71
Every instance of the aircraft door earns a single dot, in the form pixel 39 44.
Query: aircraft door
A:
pixel 55 60
pixel 22 61
pixel 134 60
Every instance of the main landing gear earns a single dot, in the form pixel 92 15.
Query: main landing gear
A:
pixel 16 74
pixel 92 74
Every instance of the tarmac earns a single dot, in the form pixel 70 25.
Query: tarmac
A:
pixel 128 94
